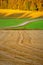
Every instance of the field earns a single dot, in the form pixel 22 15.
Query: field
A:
pixel 18 19
pixel 21 47
pixel 18 24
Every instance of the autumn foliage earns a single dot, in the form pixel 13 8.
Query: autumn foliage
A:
pixel 22 4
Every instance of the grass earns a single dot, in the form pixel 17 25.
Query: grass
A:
pixel 11 22
pixel 33 25
pixel 5 22
pixel 14 22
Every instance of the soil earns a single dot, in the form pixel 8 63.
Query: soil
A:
pixel 21 47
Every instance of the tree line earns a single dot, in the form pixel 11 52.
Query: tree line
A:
pixel 22 4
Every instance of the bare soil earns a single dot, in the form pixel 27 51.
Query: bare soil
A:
pixel 21 47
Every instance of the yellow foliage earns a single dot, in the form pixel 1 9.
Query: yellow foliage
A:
pixel 31 14
pixel 22 4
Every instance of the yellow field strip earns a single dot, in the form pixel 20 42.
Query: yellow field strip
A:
pixel 32 14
